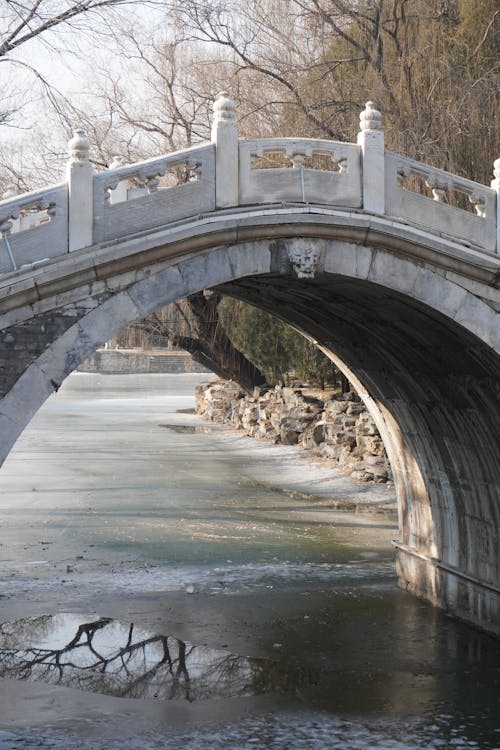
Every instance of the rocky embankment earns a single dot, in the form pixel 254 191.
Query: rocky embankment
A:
pixel 339 429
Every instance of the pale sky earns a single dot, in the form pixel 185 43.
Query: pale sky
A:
pixel 70 60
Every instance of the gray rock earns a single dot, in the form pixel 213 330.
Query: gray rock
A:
pixel 340 430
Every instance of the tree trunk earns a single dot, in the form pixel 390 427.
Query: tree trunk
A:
pixel 207 341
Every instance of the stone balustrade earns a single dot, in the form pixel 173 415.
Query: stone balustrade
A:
pixel 34 227
pixel 149 194
pixel 428 197
pixel 299 170
pixel 94 209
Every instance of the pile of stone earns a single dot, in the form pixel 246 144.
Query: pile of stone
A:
pixel 337 428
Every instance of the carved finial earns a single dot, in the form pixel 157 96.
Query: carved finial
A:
pixel 225 138
pixel 79 146
pixel 370 118
pixel 10 192
pixel 224 108
pixel 496 171
pixel 117 161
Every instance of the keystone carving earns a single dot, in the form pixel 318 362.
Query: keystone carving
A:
pixel 304 258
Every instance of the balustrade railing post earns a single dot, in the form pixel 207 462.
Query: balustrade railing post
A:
pixel 371 140
pixel 120 193
pixel 12 192
pixel 80 178
pixel 10 226
pixel 225 139
pixel 495 184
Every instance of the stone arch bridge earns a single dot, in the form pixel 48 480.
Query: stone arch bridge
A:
pixel 392 267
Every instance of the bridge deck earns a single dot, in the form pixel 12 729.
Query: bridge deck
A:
pixel 93 210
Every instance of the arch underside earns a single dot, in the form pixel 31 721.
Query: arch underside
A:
pixel 434 391
pixel 432 386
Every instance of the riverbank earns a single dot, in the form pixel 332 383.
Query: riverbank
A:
pixel 334 426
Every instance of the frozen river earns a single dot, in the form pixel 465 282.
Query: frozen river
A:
pixel 170 584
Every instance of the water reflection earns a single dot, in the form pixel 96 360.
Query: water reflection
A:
pixel 101 655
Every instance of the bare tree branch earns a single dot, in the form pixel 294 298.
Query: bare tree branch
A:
pixel 34 22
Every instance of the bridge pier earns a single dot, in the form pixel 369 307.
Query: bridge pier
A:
pixel 449 588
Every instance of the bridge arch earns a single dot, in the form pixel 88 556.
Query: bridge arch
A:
pixel 421 347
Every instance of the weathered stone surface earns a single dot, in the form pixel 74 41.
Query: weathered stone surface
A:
pixel 22 344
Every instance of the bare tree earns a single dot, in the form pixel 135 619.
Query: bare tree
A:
pixel 22 23
pixel 431 65
pixel 200 331
pixel 105 656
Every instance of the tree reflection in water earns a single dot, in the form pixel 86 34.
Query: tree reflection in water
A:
pixel 105 656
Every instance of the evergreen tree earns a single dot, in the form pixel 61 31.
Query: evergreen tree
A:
pixel 274 347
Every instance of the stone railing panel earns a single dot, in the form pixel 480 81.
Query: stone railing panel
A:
pixel 299 170
pixel 157 191
pixel 34 227
pixel 472 221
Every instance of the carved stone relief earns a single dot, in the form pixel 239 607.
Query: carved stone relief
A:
pixel 304 256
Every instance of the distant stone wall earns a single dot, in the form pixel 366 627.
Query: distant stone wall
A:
pixel 340 429
pixel 123 361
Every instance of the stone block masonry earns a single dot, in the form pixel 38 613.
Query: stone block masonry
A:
pixel 336 428
pixel 133 361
